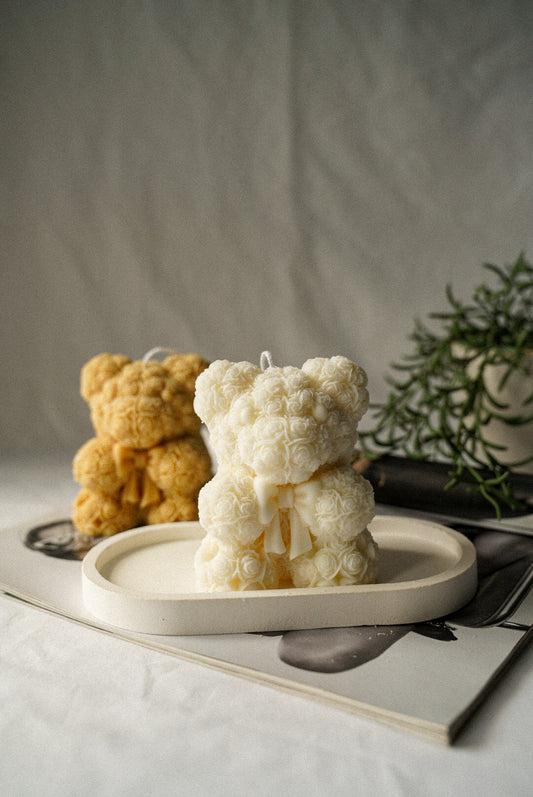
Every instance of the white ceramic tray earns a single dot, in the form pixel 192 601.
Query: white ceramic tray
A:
pixel 143 580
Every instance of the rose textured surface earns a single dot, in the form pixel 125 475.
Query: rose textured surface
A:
pixel 147 462
pixel 285 507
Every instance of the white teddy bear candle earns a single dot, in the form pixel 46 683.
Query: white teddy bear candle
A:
pixel 285 507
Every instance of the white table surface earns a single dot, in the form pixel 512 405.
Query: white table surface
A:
pixel 87 714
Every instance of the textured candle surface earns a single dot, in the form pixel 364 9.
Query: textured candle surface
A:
pixel 285 507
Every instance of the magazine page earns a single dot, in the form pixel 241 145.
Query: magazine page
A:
pixel 427 677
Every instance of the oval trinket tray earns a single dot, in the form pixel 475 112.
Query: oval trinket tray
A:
pixel 143 580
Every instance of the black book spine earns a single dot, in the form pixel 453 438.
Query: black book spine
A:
pixel 418 484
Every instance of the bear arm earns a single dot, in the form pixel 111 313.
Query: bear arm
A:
pixel 228 507
pixel 180 467
pixel 95 467
pixel 345 505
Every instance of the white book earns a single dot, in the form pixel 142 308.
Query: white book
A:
pixel 425 677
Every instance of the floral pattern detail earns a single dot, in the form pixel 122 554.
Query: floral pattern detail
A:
pixel 338 564
pixel 228 508
pixel 226 567
pixel 284 427
pixel 346 505
pixel 148 460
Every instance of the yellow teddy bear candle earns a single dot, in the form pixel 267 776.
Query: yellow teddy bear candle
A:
pixel 148 460
pixel 284 508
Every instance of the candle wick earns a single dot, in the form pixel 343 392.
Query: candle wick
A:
pixel 266 360
pixel 156 350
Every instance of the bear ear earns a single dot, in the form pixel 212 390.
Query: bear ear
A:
pixel 341 379
pixel 220 385
pixel 186 368
pixel 98 370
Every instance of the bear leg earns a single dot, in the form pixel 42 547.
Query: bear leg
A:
pixel 99 515
pixel 225 567
pixel 337 562
pixel 176 508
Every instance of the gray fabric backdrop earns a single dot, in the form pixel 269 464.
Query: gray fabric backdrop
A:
pixel 228 177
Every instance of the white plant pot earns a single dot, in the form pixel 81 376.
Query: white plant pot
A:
pixel 518 440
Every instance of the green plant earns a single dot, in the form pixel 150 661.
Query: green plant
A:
pixel 440 405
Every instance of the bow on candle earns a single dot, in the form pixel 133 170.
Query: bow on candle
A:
pixel 299 499
pixel 139 487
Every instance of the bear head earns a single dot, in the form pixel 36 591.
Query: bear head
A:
pixel 282 423
pixel 142 404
